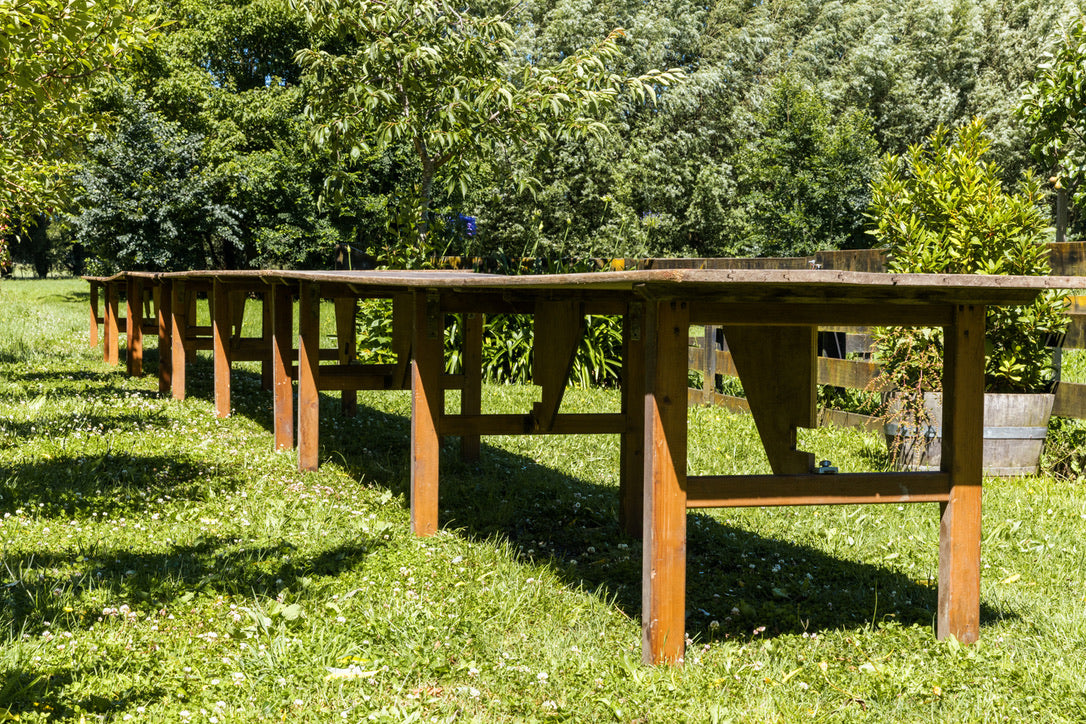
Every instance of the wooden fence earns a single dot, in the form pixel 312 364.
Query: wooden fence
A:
pixel 708 352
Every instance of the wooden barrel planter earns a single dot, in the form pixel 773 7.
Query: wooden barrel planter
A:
pixel 1014 433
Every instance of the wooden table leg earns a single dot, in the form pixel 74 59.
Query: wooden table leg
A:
pixel 309 347
pixel 110 352
pixel 471 397
pixel 663 578
pixel 179 322
pixel 346 312
pixel 631 485
pixel 221 324
pixel 94 287
pixel 134 326
pixel 164 295
pixel 962 458
pixel 282 347
pixel 427 406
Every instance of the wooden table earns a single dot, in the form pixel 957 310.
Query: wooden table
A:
pixel 770 319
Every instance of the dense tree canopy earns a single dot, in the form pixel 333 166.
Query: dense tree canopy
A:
pixel 767 147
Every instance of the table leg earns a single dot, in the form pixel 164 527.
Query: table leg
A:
pixel 164 295
pixel 962 458
pixel 663 579
pixel 221 326
pixel 309 348
pixel 111 324
pixel 471 397
pixel 179 321
pixel 134 326
pixel 282 310
pixel 631 485
pixel 427 406
pixel 94 287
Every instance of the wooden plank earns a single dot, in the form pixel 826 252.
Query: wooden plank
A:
pixel 427 408
pixel 309 337
pixel 112 325
pixel 854 374
pixel 222 321
pixel 471 395
pixel 346 309
pixel 179 319
pixel 134 326
pixel 632 447
pixel 282 308
pixel 514 424
pixel 403 320
pixel 1068 258
pixel 267 322
pixel 962 459
pixel 95 287
pixel 663 578
pixel 734 491
pixel 164 321
pixel 777 368
pixel 1076 330
pixel 351 378
pixel 559 327
pixel 1070 400
pixel 791 313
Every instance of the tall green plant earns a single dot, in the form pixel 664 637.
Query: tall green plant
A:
pixel 942 209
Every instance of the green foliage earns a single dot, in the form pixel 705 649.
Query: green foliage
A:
pixel 51 52
pixel 943 209
pixel 1054 108
pixel 147 202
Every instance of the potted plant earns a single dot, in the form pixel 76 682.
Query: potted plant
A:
pixel 943 209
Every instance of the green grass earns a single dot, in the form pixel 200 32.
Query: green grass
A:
pixel 160 565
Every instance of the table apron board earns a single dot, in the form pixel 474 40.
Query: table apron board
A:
pixel 773 347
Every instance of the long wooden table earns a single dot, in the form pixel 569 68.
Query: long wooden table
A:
pixel 770 319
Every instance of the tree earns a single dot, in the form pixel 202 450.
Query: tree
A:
pixel 448 84
pixel 51 52
pixel 147 203
pixel 1054 107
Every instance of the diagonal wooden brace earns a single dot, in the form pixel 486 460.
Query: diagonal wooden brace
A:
pixel 778 367
pixel 559 327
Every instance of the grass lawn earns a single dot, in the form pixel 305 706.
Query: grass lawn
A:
pixel 160 565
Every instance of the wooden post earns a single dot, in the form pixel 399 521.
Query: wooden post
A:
pixel 427 406
pixel 267 322
pixel 471 396
pixel 112 323
pixel 282 308
pixel 134 326
pixel 94 287
pixel 221 323
pixel 179 321
pixel 346 311
pixel 309 347
pixel 663 579
pixel 631 485
pixel 164 302
pixel 962 458
pixel 708 383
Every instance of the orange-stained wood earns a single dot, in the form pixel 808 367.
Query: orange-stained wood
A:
pixel 514 424
pixel 559 327
pixel 778 369
pixel 164 319
pixel 282 309
pixel 631 483
pixel 663 580
pixel 427 405
pixel 112 325
pixel 179 320
pixel 309 338
pixel 736 491
pixel 134 326
pixel 221 323
pixel 963 436
pixel 94 287
pixel 471 395
pixel 346 346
